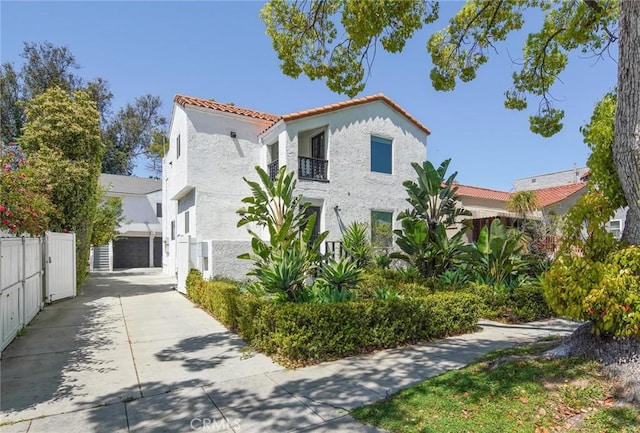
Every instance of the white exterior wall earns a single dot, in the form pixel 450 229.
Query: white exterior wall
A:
pixel 548 180
pixel 562 207
pixel 140 214
pixel 216 162
pixel 207 182
pixel 352 186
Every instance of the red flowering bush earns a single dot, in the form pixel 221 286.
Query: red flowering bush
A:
pixel 24 207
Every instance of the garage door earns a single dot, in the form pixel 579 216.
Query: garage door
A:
pixel 157 252
pixel 131 253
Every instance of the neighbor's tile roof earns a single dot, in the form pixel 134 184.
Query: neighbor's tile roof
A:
pixel 353 102
pixel 273 118
pixel 477 192
pixel 545 196
pixel 118 184
pixel 205 103
pixel 555 194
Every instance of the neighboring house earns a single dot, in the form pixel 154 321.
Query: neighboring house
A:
pixel 139 244
pixel 616 224
pixel 350 159
pixel 547 180
pixel 488 204
pixel 485 205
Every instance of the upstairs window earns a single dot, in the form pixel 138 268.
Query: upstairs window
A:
pixel 317 147
pixel 159 210
pixel 173 230
pixel 381 155
pixel 178 146
pixel 186 222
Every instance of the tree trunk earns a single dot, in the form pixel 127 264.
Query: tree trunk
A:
pixel 626 148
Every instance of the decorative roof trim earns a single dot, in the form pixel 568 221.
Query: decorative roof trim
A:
pixel 352 103
pixel 225 108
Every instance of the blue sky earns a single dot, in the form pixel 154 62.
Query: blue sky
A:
pixel 219 50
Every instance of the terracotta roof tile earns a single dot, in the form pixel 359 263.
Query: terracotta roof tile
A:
pixel 204 103
pixel 477 192
pixel 352 103
pixel 273 118
pixel 554 194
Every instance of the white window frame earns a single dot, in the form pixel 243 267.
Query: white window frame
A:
pixel 614 230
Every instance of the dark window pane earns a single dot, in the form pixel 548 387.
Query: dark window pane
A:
pixel 381 155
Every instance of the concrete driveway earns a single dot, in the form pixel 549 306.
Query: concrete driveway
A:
pixel 131 354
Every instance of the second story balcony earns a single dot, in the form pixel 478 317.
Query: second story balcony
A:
pixel 313 169
pixel 272 169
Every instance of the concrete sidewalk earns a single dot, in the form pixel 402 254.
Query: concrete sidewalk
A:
pixel 131 354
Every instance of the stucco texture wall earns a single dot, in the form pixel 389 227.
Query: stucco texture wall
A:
pixel 353 190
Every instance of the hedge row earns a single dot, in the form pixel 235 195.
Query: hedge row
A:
pixel 316 332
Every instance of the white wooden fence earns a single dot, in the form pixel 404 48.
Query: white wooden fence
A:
pixel 33 271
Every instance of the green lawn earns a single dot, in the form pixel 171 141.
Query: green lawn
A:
pixel 520 395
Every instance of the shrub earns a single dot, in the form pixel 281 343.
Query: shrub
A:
pixel 356 242
pixel 608 294
pixel 496 256
pixel 218 297
pixel 309 332
pixel 383 261
pixel 414 290
pixel 493 301
pixel 527 303
pixel 315 332
pixel 340 275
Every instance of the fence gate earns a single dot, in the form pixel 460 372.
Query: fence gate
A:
pixel 60 262
pixel 184 262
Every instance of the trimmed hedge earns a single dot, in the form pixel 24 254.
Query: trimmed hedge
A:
pixel 302 333
pixel 528 303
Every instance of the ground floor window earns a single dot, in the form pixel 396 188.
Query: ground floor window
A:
pixel 615 228
pixel 381 229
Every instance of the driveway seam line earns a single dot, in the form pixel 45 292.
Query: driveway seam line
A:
pixel 126 417
pixel 133 358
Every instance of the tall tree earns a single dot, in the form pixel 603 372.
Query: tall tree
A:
pixel 126 134
pixel 156 151
pixel 130 134
pixel 522 203
pixel 11 116
pixel 45 66
pixel 62 138
pixel 305 37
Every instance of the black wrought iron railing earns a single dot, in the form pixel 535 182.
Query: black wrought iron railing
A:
pixel 272 169
pixel 312 168
pixel 335 250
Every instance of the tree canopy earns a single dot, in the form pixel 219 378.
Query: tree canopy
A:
pixel 126 133
pixel 336 40
pixel 61 137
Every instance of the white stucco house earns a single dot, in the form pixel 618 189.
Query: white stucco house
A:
pixel 350 159
pixel 139 244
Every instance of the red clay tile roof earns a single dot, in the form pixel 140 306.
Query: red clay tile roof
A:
pixel 554 194
pixel 545 196
pixel 354 102
pixel 273 118
pixel 476 192
pixel 204 103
